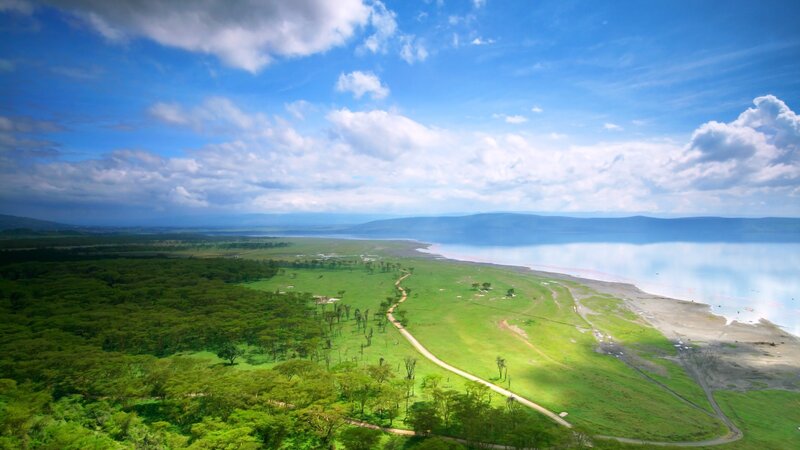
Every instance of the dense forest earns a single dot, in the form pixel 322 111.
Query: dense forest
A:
pixel 98 352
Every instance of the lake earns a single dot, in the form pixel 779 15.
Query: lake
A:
pixel 741 281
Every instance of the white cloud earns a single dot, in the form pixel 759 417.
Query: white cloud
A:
pixel 481 41
pixel 360 83
pixel 760 148
pixel 537 110
pixel 413 50
pixel 512 119
pixel 382 134
pixel 516 119
pixel 214 115
pixel 383 160
pixel 245 34
pixel 383 21
pixel 611 127
pixel 479 3
pixel 181 196
pixel 170 113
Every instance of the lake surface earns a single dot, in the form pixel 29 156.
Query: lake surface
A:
pixel 741 281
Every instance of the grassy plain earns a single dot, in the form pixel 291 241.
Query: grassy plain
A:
pixel 549 349
pixel 556 363
pixel 769 419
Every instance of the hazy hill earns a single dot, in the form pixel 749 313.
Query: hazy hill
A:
pixel 26 223
pixel 516 229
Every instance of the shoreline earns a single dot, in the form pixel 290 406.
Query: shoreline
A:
pixel 731 354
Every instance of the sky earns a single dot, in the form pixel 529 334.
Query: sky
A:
pixel 132 111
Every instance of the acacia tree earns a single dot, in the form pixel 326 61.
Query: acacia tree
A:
pixel 501 366
pixel 324 421
pixel 360 438
pixel 422 417
pixel 411 365
pixel 230 352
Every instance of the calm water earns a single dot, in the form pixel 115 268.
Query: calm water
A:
pixel 742 282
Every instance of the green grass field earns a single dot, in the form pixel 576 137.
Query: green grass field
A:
pixel 557 364
pixel 770 419
pixel 365 291
pixel 549 349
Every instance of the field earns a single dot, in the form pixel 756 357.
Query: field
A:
pixel 553 341
pixel 550 351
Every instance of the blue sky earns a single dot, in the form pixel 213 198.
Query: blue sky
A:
pixel 128 111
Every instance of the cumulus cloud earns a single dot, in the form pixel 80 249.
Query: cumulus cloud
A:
pixel 611 127
pixel 537 110
pixel 360 83
pixel 759 148
pixel 479 3
pixel 385 26
pixel 383 160
pixel 245 34
pixel 382 134
pixel 413 49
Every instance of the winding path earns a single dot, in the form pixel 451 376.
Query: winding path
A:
pixel 426 353
pixel 733 434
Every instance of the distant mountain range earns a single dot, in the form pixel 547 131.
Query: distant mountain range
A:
pixel 522 229
pixel 26 223
pixel 477 229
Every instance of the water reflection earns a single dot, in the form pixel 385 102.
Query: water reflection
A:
pixel 742 282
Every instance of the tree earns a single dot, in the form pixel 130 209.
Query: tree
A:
pixel 510 292
pixel 422 417
pixel 387 402
pixel 324 421
pixel 475 286
pixel 437 443
pixel 380 373
pixel 501 366
pixel 394 443
pixel 445 403
pixel 230 352
pixel 358 387
pixel 486 286
pixel 270 429
pixel 411 364
pixel 360 438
